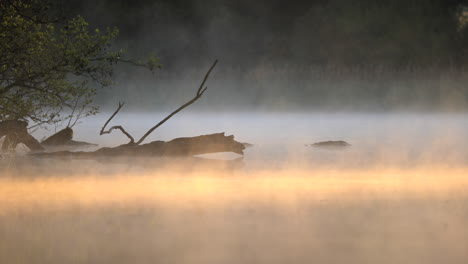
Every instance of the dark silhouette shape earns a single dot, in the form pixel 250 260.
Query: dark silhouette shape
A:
pixel 64 138
pixel 179 147
pixel 330 144
pixel 187 146
pixel 16 131
pixel 201 90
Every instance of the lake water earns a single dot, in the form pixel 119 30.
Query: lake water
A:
pixel 399 194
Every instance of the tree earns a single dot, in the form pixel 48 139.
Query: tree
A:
pixel 50 65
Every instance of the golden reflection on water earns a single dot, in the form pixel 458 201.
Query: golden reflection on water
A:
pixel 195 216
pixel 213 188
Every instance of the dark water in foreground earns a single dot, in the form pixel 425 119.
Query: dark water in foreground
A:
pixel 398 195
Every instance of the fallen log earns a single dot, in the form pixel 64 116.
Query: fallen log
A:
pixel 60 138
pixel 182 147
pixel 179 147
pixel 201 90
pixel 63 139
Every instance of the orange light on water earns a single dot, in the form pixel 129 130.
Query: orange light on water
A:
pixel 208 188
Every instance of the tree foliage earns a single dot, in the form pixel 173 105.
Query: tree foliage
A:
pixel 51 66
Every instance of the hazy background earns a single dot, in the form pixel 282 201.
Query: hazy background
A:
pixel 389 77
pixel 301 55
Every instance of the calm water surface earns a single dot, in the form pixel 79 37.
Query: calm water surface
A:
pixel 397 195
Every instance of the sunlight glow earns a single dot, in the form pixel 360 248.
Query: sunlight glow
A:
pixel 208 188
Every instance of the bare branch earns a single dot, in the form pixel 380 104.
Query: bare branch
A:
pixel 112 116
pixel 199 94
pixel 132 140
pixel 200 91
pixel 78 116
pixel 73 114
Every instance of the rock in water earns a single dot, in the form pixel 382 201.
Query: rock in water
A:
pixel 330 144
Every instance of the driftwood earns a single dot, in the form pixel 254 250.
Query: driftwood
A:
pixel 103 131
pixel 15 132
pixel 200 91
pixel 64 138
pixel 179 147
pixel 330 144
pixel 60 138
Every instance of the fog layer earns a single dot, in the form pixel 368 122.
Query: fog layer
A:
pixel 398 194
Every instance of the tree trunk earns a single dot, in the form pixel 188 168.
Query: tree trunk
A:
pixel 17 132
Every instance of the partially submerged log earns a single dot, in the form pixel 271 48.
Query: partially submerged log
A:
pixel 330 144
pixel 179 147
pixel 15 132
pixel 200 91
pixel 60 138
pixel 63 138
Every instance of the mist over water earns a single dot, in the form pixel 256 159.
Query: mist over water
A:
pixel 377 139
pixel 388 77
pixel 398 194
